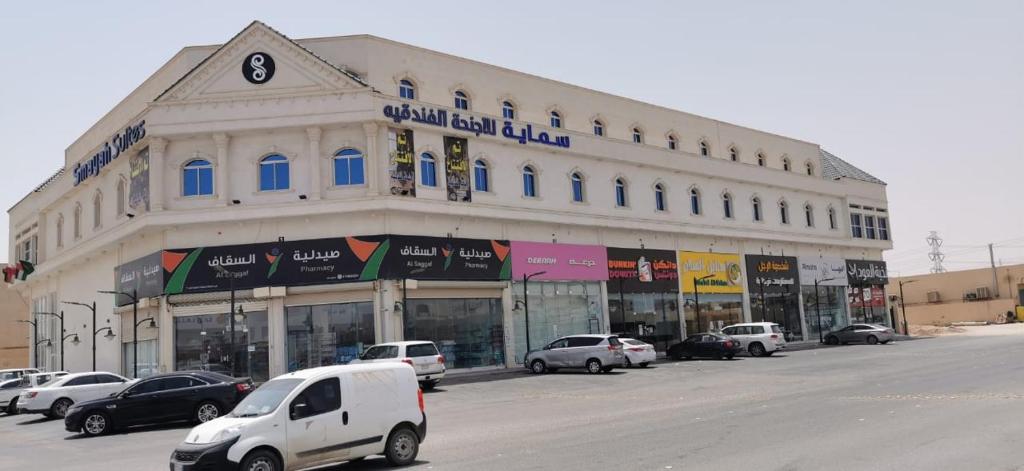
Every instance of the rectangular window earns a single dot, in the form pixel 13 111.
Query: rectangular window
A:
pixel 869 226
pixel 204 342
pixel 469 332
pixel 855 226
pixel 328 334
pixel 320 397
pixel 883 228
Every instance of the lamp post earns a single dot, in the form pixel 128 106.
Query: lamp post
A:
pixel 35 336
pixel 135 330
pixel 61 317
pixel 526 303
pixel 696 296
pixel 817 305
pixel 231 313
pixel 95 331
pixel 903 306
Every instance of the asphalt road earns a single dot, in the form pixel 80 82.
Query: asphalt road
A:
pixel 944 403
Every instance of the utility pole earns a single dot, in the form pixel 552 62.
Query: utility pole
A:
pixel 995 278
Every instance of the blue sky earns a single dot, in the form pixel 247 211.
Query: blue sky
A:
pixel 926 95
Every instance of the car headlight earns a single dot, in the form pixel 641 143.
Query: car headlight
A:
pixel 229 433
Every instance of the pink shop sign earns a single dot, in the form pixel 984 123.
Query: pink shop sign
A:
pixel 566 262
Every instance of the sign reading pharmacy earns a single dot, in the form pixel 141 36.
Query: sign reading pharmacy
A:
pixel 110 150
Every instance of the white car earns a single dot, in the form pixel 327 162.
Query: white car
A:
pixel 15 373
pixel 421 355
pixel 56 397
pixel 313 418
pixel 760 339
pixel 638 353
pixel 12 388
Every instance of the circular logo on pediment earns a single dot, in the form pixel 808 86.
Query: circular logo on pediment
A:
pixel 258 68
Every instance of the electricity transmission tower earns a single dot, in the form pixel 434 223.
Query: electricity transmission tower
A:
pixel 936 255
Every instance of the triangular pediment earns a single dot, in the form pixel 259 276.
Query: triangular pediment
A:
pixel 258 62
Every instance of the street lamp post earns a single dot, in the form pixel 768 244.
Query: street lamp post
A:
pixel 526 303
pixel 61 317
pixel 135 329
pixel 903 306
pixel 95 331
pixel 696 297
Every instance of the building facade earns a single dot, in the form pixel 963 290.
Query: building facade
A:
pixel 277 204
pixel 977 295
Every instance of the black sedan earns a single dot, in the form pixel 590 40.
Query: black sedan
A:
pixel 198 396
pixel 707 345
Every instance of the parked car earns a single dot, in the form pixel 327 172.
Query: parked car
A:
pixel 866 333
pixel 11 389
pixel 595 353
pixel 199 396
pixel 55 398
pixel 760 339
pixel 421 355
pixel 16 373
pixel 637 352
pixel 706 345
pixel 299 420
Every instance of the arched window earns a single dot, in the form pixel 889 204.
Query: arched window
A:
pixel 60 230
pixel 274 173
pixel 577 187
pixel 461 100
pixel 734 154
pixel 695 201
pixel 727 205
pixel 407 90
pixel 809 215
pixel 556 119
pixel 831 218
pixel 76 221
pixel 508 110
pixel 638 136
pixel 672 143
pixel 785 164
pixel 784 212
pixel 348 168
pixel 529 182
pixel 760 159
pixel 598 128
pixel 705 150
pixel 809 167
pixel 428 170
pixel 755 204
pixel 659 198
pixel 97 210
pixel 197 178
pixel 480 174
pixel 620 193
pixel 122 196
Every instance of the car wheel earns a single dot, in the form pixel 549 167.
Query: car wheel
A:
pixel 729 356
pixel 593 366
pixel 629 364
pixel 95 424
pixel 832 340
pixel 12 408
pixel 261 460
pixel 756 349
pixel 402 448
pixel 607 369
pixel 871 340
pixel 428 385
pixel 206 412
pixel 538 367
pixel 60 408
pixel 644 365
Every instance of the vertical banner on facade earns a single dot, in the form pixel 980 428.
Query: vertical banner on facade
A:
pixel 457 168
pixel 138 194
pixel 401 155
pixel 712 272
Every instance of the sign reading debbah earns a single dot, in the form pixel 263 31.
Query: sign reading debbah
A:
pixel 642 271
pixel 559 262
pixel 110 150
pixel 258 68
pixel 772 274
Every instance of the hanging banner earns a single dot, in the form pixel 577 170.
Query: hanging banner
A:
pixel 143 275
pixel 457 168
pixel 726 276
pixel 401 156
pixel 827 271
pixel 772 274
pixel 642 271
pixel 443 258
pixel 559 262
pixel 138 194
pixel 867 272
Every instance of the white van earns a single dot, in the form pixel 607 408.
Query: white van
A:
pixel 315 417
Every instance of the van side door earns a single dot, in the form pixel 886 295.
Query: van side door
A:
pixel 311 414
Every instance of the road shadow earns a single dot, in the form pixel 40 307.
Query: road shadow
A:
pixel 582 372
pixel 370 463
pixel 35 421
pixel 140 429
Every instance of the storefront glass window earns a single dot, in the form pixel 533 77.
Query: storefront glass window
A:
pixel 867 305
pixel 148 358
pixel 468 332
pixel 557 309
pixel 716 311
pixel 651 317
pixel 204 343
pixel 780 308
pixel 831 301
pixel 328 334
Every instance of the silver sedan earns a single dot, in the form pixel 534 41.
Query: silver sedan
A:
pixel 861 333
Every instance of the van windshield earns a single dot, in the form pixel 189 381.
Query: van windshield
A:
pixel 266 398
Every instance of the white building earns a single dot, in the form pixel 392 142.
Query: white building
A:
pixel 266 140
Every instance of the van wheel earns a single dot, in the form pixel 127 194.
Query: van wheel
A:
pixel 96 423
pixel 538 367
pixel 593 366
pixel 12 408
pixel 756 349
pixel 872 340
pixel 261 460
pixel 60 408
pixel 428 385
pixel 206 412
pixel 402 447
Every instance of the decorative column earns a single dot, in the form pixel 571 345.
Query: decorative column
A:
pixel 157 146
pixel 376 164
pixel 313 133
pixel 222 189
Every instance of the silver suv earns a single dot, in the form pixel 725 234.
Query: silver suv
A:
pixel 595 353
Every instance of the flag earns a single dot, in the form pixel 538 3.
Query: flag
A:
pixel 25 268
pixel 9 273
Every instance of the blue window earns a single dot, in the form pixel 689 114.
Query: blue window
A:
pixel 694 201
pixel 659 197
pixel 480 174
pixel 508 110
pixel 348 168
pixel 727 206
pixel 273 173
pixel 638 136
pixel 461 100
pixel 620 193
pixel 556 119
pixel 197 178
pixel 598 128
pixel 407 90
pixel 577 188
pixel 428 170
pixel 529 182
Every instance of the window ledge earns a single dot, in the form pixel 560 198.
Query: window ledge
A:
pixel 273 192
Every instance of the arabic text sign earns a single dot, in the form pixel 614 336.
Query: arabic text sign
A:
pixel 642 271
pixel 772 274
pixel 867 272
pixel 828 271
pixel 143 275
pixel 567 262
pixel 485 126
pixel 724 268
pixel 441 258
